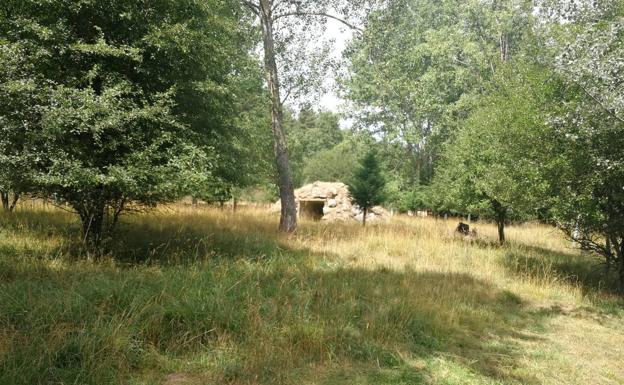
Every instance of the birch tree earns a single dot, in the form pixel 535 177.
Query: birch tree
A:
pixel 289 29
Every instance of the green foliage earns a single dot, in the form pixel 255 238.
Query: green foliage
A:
pixel 413 200
pixel 262 193
pixel 336 164
pixel 119 102
pixel 496 165
pixel 404 170
pixel 312 137
pixel 246 153
pixel 367 186
pixel 315 131
pixel 589 200
pixel 20 99
pixel 419 64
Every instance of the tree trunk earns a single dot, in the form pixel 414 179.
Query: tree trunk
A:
pixel 5 200
pixel 620 260
pixel 415 156
pixel 609 251
pixel 16 197
pixel 504 47
pixel 364 212
pixel 118 209
pixel 93 227
pixel 288 218
pixel 501 217
pixel 501 231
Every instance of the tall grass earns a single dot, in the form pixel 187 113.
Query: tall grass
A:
pixel 203 296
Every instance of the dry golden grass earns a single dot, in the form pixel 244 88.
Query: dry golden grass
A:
pixel 194 296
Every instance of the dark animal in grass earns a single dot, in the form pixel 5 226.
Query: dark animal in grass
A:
pixel 463 228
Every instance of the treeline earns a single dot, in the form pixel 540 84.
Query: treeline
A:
pixel 509 109
pixel 321 150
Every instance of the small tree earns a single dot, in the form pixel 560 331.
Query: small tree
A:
pixel 495 165
pixel 367 187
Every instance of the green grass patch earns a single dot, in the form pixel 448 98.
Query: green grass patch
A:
pixel 210 300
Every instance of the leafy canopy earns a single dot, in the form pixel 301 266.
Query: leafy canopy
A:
pixel 498 159
pixel 118 101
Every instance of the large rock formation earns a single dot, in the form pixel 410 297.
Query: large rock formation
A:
pixel 330 201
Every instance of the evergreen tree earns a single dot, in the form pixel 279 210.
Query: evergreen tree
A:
pixel 367 188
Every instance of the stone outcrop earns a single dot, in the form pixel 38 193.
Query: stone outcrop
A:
pixel 330 201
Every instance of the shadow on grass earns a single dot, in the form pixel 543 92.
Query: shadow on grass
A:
pixel 239 306
pixel 42 223
pixel 193 239
pixel 586 270
pixel 281 320
pixel 242 307
pixel 146 241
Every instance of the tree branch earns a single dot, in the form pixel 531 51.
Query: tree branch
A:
pixel 252 6
pixel 322 14
pixel 595 99
pixel 62 206
pixel 287 94
pixel 276 5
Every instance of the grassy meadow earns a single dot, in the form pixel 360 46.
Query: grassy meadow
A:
pixel 203 296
